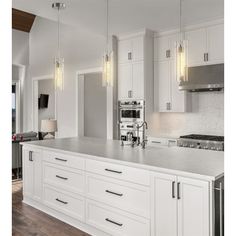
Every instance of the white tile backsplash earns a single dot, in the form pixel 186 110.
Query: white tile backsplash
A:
pixel 206 117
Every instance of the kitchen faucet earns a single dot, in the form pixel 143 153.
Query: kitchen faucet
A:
pixel 144 140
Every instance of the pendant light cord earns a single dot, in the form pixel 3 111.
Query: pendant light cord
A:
pixel 107 28
pixel 58 33
pixel 180 19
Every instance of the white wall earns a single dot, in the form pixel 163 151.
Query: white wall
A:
pixel 95 110
pixel 80 50
pixel 20 57
pixel 20 47
pixel 207 117
pixel 46 86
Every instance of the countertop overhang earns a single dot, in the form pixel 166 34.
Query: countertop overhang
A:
pixel 197 163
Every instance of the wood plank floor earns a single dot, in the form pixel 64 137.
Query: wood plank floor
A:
pixel 27 221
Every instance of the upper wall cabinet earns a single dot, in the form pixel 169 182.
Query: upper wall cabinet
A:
pixel 131 50
pixel 206 45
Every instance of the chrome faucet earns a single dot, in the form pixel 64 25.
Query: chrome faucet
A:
pixel 145 127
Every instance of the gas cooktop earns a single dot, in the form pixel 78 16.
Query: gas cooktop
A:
pixel 204 137
pixel 210 142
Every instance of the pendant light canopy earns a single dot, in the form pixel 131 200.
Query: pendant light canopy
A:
pixel 107 75
pixel 59 61
pixel 181 52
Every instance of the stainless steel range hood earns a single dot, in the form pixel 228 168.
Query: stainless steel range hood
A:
pixel 204 78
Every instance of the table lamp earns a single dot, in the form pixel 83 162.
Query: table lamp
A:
pixel 49 126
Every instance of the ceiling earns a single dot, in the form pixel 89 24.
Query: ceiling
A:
pixel 126 15
pixel 22 20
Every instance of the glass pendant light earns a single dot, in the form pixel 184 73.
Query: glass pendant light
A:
pixel 59 61
pixel 181 53
pixel 107 73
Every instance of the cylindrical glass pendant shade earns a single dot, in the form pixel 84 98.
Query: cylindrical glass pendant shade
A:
pixel 181 61
pixel 59 73
pixel 107 73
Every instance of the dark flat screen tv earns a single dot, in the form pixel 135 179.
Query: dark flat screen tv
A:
pixel 43 101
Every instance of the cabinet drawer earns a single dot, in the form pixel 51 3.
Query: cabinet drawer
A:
pixel 114 222
pixel 73 206
pixel 64 160
pixel 126 196
pixel 118 171
pixel 64 178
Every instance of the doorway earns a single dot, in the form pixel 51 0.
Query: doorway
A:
pixel 43 87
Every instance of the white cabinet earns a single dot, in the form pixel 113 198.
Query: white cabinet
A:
pixel 138 80
pixel 131 50
pixel 181 206
pixel 125 81
pixel 162 86
pixel 206 45
pixel 215 39
pixel 165 223
pixel 135 67
pixel 197 46
pixel 32 173
pixel 167 97
pixel 193 207
pixel 131 80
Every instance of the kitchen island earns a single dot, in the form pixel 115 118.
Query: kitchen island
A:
pixel 104 188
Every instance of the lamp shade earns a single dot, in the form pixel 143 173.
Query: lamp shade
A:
pixel 48 126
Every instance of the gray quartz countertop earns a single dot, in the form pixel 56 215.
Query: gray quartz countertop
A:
pixel 204 164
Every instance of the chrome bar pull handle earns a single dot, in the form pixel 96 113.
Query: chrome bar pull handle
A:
pixel 114 171
pixel 60 177
pixel 59 159
pixel 173 189
pixel 178 190
pixel 129 56
pixel 205 56
pixel 57 199
pixel 114 193
pixel 30 155
pixel 113 222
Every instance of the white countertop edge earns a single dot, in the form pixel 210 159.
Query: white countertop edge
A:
pixel 131 164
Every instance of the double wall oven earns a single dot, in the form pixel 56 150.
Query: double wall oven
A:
pixel 131 114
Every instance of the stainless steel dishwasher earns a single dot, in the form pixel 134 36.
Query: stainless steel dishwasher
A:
pixel 219 207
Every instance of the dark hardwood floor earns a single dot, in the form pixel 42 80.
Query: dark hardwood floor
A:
pixel 27 221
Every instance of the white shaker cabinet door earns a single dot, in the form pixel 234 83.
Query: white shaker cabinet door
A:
pixel 138 80
pixel 165 199
pixel 161 48
pixel 32 174
pixel 125 81
pixel 138 49
pixel 178 98
pixel 193 207
pixel 28 172
pixel 125 51
pixel 161 86
pixel 197 46
pixel 215 36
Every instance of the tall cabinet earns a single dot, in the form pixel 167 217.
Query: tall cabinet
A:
pixel 167 97
pixel 135 67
